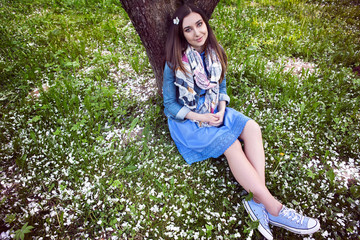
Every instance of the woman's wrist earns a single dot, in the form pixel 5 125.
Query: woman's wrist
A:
pixel 221 107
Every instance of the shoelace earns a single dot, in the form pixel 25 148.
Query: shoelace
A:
pixel 293 215
pixel 266 216
pixel 265 213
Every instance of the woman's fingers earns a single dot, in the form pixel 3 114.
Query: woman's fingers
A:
pixel 210 117
pixel 219 121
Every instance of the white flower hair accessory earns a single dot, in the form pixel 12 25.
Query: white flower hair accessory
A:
pixel 176 21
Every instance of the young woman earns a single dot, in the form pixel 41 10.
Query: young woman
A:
pixel 201 125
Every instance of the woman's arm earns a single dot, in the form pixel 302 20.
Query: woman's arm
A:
pixel 223 95
pixel 170 97
pixel 202 117
pixel 222 106
pixel 213 119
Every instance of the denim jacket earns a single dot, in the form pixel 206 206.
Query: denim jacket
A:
pixel 174 107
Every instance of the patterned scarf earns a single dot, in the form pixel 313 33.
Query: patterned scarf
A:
pixel 196 74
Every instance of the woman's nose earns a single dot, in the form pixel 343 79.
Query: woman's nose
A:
pixel 196 32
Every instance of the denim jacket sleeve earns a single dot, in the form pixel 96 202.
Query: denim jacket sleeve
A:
pixel 222 92
pixel 173 108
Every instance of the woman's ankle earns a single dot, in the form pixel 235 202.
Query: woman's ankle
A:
pixel 274 211
pixel 256 200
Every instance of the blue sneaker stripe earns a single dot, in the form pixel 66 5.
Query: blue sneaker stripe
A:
pixel 297 230
pixel 263 230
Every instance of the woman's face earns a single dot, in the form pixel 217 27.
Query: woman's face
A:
pixel 195 31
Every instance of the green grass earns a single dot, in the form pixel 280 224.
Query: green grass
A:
pixel 92 158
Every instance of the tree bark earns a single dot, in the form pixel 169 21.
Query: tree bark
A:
pixel 152 19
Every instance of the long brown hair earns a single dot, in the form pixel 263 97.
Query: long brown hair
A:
pixel 176 43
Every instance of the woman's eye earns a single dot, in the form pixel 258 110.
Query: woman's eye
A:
pixel 187 30
pixel 199 24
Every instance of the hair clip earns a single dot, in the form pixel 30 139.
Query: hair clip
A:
pixel 176 21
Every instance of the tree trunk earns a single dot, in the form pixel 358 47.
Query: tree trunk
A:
pixel 151 19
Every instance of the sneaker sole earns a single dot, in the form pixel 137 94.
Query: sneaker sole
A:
pixel 261 229
pixel 296 230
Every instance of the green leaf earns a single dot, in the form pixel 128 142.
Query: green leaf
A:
pixel 129 168
pixel 75 127
pixel 20 233
pixel 209 227
pixel 155 198
pixel 355 191
pixel 330 175
pixel 34 119
pixel 33 135
pixel 116 183
pixel 133 124
pixel 310 174
pixel 57 132
pixel 51 187
pixel 10 218
pixel 249 196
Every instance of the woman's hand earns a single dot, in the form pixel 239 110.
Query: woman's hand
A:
pixel 220 119
pixel 211 118
pixel 219 115
pixel 214 119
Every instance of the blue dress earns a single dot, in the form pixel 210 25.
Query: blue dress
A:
pixel 200 143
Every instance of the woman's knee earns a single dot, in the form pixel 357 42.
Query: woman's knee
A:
pixel 251 128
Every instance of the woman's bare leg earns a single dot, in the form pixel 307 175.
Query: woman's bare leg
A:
pixel 247 176
pixel 254 149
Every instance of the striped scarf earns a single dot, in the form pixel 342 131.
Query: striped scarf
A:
pixel 196 74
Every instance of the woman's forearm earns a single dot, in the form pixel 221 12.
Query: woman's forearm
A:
pixel 222 106
pixel 195 116
pixel 207 117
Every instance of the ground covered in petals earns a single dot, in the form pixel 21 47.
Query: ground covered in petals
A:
pixel 85 150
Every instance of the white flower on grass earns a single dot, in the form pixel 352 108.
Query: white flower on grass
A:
pixel 219 227
pixel 154 208
pixel 34 208
pixel 250 234
pixel 171 227
pixel 6 235
pixel 183 234
pixel 237 235
pixel 325 234
pixel 68 221
pixel 341 222
pixel 125 225
pixel 169 234
pixel 53 213
pixel 232 219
